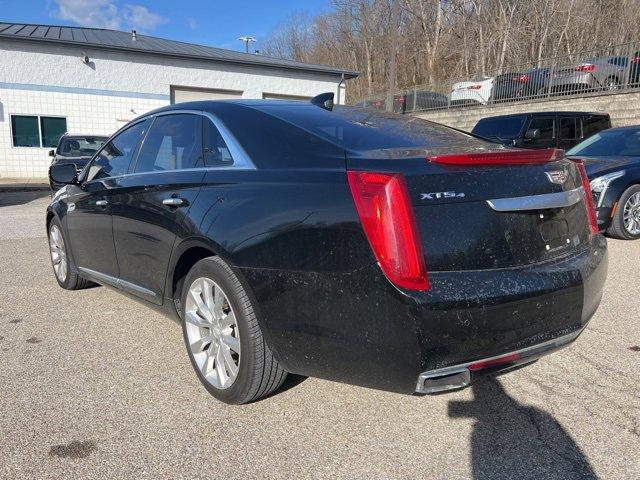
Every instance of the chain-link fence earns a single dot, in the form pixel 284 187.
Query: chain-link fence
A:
pixel 605 70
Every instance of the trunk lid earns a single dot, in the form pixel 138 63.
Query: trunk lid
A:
pixel 474 217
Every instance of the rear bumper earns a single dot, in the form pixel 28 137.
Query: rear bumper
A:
pixel 460 376
pixel 574 79
pixel 357 328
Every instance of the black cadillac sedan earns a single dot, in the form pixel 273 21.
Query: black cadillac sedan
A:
pixel 612 161
pixel 343 243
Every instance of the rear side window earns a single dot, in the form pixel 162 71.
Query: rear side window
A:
pixel 174 142
pixel 569 128
pixel 216 152
pixel 116 156
pixel 500 128
pixel 545 125
pixel 594 124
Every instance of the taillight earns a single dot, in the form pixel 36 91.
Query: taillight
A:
pixel 385 211
pixel 585 67
pixel 474 87
pixel 635 60
pixel 494 362
pixel 588 198
pixel 522 78
pixel 507 157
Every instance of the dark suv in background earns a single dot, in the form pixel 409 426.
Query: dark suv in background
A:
pixel 542 129
pixel 75 149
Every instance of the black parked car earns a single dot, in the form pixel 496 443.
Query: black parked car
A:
pixel 520 86
pixel 612 160
pixel 344 243
pixel 74 149
pixel 542 129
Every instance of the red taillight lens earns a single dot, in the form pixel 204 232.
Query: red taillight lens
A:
pixel 474 87
pixel 588 199
pixel 522 78
pixel 508 157
pixel 585 67
pixel 494 362
pixel 383 205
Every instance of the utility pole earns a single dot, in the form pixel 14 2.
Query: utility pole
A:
pixel 393 51
pixel 247 40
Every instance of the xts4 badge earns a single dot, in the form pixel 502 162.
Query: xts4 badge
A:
pixel 438 195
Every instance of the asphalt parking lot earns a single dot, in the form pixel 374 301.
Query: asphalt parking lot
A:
pixel 94 385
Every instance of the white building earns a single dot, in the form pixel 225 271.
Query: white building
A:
pixel 92 81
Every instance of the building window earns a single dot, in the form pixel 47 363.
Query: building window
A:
pixel 36 131
pixel 52 129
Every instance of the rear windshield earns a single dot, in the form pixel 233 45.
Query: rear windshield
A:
pixel 609 143
pixel 80 146
pixel 360 129
pixel 500 128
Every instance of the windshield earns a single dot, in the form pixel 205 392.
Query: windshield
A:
pixel 501 128
pixel 80 146
pixel 624 143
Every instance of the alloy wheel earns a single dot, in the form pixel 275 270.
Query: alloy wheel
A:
pixel 58 253
pixel 631 214
pixel 212 333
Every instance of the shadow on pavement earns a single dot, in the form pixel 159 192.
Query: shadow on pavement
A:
pixel 511 440
pixel 8 198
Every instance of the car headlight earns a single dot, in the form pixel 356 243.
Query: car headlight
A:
pixel 600 184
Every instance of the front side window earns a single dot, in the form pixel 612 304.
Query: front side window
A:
pixel 116 156
pixel 174 142
pixel 217 153
pixel 36 131
pixel 545 126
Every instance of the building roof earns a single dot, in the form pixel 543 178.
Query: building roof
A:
pixel 99 38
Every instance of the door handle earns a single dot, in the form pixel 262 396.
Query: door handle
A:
pixel 174 202
pixel 102 203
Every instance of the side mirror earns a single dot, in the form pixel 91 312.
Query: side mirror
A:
pixel 52 153
pixel 532 134
pixel 64 173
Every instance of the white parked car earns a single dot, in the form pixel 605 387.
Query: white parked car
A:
pixel 469 93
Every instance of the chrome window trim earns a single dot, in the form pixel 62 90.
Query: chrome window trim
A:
pixel 241 160
pixel 537 202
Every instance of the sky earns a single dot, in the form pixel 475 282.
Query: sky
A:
pixel 208 22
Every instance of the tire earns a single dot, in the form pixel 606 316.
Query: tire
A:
pixel 63 269
pixel 212 299
pixel 612 83
pixel 629 203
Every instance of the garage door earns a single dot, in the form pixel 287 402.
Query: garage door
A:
pixel 280 96
pixel 190 94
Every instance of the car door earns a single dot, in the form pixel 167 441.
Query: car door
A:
pixel 154 199
pixel 569 131
pixel 89 220
pixel 545 126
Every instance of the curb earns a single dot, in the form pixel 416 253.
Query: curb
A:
pixel 24 187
